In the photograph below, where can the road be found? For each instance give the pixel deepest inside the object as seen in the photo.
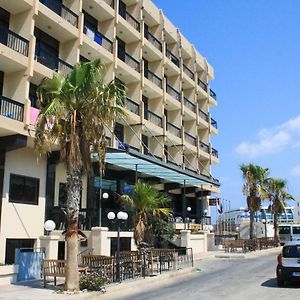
(232, 279)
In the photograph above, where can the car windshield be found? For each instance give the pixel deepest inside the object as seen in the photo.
(291, 251)
(296, 229)
(284, 229)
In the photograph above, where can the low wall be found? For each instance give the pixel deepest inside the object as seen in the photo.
(8, 274)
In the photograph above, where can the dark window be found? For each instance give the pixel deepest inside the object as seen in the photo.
(125, 245)
(12, 245)
(296, 229)
(23, 189)
(145, 144)
(145, 101)
(291, 251)
(83, 59)
(61, 250)
(121, 49)
(62, 194)
(122, 9)
(33, 95)
(119, 132)
(54, 5)
(90, 22)
(4, 18)
(146, 30)
(284, 229)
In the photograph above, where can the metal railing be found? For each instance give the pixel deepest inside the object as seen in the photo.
(174, 129)
(189, 104)
(202, 84)
(99, 38)
(52, 62)
(13, 41)
(128, 59)
(190, 139)
(213, 123)
(153, 40)
(214, 152)
(171, 91)
(132, 21)
(153, 78)
(188, 71)
(11, 109)
(204, 147)
(213, 94)
(63, 11)
(132, 106)
(203, 115)
(154, 118)
(172, 57)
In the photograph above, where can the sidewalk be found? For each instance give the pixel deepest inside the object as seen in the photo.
(34, 290)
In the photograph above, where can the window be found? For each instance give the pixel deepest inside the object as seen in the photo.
(33, 95)
(23, 189)
(13, 244)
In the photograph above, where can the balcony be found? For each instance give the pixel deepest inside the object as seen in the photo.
(189, 104)
(14, 41)
(190, 139)
(203, 115)
(11, 109)
(153, 78)
(188, 72)
(52, 62)
(153, 40)
(110, 3)
(214, 153)
(172, 57)
(213, 94)
(202, 84)
(172, 92)
(99, 38)
(131, 20)
(204, 147)
(213, 123)
(174, 129)
(62, 11)
(132, 106)
(128, 59)
(154, 118)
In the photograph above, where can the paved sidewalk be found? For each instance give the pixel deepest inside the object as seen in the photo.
(34, 290)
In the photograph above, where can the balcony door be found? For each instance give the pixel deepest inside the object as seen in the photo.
(145, 101)
(4, 25)
(122, 9)
(121, 49)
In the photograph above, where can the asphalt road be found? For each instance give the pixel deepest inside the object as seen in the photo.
(242, 279)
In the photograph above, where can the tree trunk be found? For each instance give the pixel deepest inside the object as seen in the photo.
(72, 211)
(252, 213)
(276, 226)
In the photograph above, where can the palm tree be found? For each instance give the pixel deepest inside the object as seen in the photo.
(74, 111)
(277, 194)
(254, 177)
(146, 202)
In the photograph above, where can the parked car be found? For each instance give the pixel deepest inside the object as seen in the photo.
(288, 263)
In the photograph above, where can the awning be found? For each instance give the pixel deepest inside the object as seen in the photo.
(135, 161)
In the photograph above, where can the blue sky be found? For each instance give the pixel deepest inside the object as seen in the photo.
(254, 47)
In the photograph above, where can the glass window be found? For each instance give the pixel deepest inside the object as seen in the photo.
(296, 229)
(291, 251)
(23, 189)
(284, 230)
(12, 244)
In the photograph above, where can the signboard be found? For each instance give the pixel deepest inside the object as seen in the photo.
(213, 201)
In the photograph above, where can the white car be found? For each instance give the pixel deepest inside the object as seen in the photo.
(288, 267)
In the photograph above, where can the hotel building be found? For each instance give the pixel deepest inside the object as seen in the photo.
(164, 139)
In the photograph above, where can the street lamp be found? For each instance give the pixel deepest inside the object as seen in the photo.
(188, 209)
(186, 218)
(264, 221)
(121, 216)
(205, 211)
(102, 196)
(49, 226)
(237, 229)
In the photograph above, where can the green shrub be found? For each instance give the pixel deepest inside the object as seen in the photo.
(91, 282)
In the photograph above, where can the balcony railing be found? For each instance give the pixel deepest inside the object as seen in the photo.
(174, 129)
(153, 40)
(132, 21)
(153, 78)
(11, 109)
(214, 152)
(189, 104)
(203, 115)
(171, 91)
(13, 41)
(213, 123)
(213, 94)
(62, 11)
(202, 84)
(204, 147)
(188, 71)
(190, 139)
(132, 106)
(154, 118)
(128, 59)
(52, 62)
(172, 57)
(99, 38)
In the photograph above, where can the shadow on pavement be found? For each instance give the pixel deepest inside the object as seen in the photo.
(39, 284)
(272, 283)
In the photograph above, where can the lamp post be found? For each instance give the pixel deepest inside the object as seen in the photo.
(264, 221)
(237, 229)
(101, 196)
(121, 216)
(49, 226)
(205, 211)
(188, 209)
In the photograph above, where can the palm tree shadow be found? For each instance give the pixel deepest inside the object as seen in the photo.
(272, 283)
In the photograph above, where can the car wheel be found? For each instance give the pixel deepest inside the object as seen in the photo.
(280, 282)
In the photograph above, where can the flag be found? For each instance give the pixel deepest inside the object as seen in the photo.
(220, 208)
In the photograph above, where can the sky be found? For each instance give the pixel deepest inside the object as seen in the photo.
(254, 48)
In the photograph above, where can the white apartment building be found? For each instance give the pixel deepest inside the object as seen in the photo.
(166, 138)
